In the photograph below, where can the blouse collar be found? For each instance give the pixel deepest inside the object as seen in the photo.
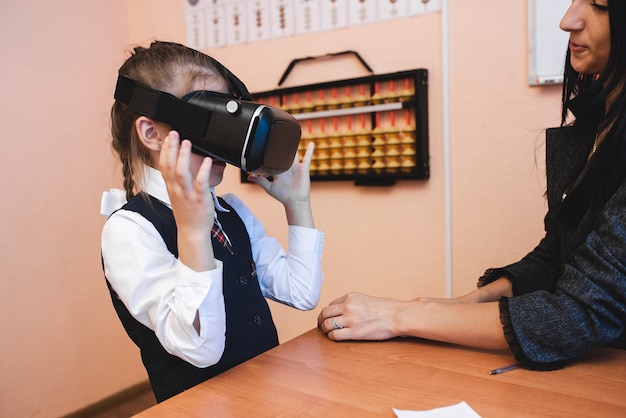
(153, 184)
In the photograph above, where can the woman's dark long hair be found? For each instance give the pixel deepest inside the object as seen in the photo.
(607, 168)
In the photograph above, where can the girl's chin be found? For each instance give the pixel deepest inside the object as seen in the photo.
(217, 172)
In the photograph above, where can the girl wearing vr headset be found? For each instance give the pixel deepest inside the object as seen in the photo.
(568, 295)
(188, 271)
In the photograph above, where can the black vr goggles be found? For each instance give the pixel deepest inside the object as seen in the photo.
(254, 137)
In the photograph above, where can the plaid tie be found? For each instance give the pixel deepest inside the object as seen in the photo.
(220, 236)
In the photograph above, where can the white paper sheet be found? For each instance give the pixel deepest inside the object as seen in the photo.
(459, 410)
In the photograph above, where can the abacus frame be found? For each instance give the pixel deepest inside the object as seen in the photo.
(372, 165)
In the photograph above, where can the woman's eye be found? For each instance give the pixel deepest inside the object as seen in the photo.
(600, 7)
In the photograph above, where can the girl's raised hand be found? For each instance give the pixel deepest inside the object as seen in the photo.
(292, 185)
(292, 188)
(191, 200)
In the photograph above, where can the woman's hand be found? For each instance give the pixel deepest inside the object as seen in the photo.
(293, 189)
(191, 201)
(356, 316)
(360, 317)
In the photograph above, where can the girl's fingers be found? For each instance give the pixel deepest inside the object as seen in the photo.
(174, 161)
(182, 164)
(308, 153)
(204, 175)
(169, 152)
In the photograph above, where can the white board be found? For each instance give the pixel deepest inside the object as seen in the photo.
(547, 43)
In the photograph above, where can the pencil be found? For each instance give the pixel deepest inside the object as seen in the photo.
(504, 369)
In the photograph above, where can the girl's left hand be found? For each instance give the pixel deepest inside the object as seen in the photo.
(292, 186)
(293, 189)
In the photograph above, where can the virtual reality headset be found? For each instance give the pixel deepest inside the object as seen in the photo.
(254, 137)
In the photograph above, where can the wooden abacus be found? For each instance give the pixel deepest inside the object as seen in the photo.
(372, 130)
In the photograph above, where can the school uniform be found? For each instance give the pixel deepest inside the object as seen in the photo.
(157, 297)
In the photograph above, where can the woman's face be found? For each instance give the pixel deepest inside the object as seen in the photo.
(587, 22)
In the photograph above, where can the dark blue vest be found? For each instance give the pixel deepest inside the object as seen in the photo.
(250, 329)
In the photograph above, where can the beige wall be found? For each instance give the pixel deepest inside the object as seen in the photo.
(62, 346)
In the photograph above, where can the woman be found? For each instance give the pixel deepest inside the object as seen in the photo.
(568, 295)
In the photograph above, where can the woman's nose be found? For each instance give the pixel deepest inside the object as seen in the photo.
(572, 19)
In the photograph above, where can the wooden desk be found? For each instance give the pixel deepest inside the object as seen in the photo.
(311, 376)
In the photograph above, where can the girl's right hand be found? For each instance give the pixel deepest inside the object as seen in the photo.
(191, 201)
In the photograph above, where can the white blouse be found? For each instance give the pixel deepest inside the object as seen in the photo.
(165, 295)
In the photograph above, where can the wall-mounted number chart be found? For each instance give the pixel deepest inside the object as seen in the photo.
(372, 130)
(218, 23)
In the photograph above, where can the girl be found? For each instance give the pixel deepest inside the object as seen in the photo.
(189, 272)
(568, 295)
